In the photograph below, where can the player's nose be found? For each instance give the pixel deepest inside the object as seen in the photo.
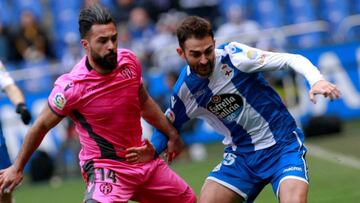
(203, 60)
(110, 45)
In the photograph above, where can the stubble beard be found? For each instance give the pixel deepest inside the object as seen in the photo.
(209, 65)
(107, 62)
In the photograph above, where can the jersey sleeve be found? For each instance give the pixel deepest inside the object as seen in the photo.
(5, 78)
(63, 97)
(249, 59)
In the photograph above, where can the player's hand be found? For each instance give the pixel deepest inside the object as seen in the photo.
(9, 179)
(175, 146)
(325, 88)
(24, 112)
(141, 154)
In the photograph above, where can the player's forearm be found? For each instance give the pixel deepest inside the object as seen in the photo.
(159, 141)
(32, 141)
(273, 61)
(303, 66)
(14, 94)
(152, 114)
(46, 120)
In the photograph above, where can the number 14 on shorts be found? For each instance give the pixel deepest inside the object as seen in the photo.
(105, 174)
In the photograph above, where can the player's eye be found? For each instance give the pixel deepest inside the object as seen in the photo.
(195, 54)
(102, 41)
(114, 38)
(209, 51)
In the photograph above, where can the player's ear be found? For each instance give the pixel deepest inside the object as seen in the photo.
(85, 44)
(181, 52)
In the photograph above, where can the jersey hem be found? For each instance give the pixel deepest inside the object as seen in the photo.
(231, 187)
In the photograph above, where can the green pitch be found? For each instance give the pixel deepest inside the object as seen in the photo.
(331, 181)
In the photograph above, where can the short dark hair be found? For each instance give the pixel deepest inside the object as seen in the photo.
(93, 15)
(193, 26)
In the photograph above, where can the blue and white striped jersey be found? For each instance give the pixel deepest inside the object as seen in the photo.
(235, 99)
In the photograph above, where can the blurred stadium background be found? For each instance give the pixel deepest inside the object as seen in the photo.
(39, 40)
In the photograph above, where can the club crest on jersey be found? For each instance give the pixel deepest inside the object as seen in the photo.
(226, 107)
(226, 71)
(59, 100)
(170, 115)
(106, 188)
(126, 72)
(234, 49)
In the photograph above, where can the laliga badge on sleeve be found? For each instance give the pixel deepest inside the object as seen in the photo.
(252, 54)
(59, 100)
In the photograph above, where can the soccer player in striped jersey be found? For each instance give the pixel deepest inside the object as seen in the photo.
(17, 98)
(105, 97)
(225, 87)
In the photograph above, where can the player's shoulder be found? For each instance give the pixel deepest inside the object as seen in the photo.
(68, 81)
(129, 59)
(237, 52)
(126, 56)
(233, 48)
(126, 53)
(65, 82)
(178, 88)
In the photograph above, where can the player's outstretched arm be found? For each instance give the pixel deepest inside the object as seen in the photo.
(324, 88)
(12, 176)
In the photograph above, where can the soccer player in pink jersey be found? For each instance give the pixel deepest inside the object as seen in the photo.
(105, 97)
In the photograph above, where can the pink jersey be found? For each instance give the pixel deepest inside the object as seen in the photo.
(105, 108)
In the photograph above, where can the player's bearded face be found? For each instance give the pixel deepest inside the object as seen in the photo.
(200, 55)
(102, 47)
(108, 61)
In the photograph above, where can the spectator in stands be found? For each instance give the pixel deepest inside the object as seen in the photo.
(204, 8)
(141, 29)
(4, 42)
(31, 40)
(121, 10)
(157, 7)
(237, 24)
(72, 53)
(140, 25)
(163, 54)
